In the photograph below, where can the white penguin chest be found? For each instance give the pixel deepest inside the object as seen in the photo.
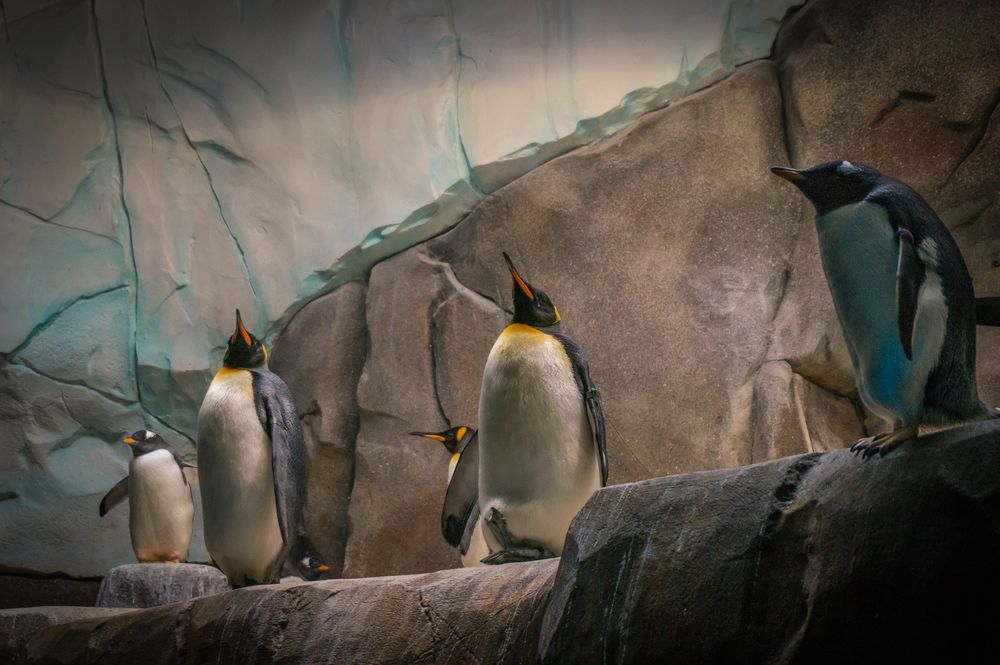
(538, 460)
(237, 480)
(160, 507)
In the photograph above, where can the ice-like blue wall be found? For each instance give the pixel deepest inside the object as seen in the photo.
(162, 163)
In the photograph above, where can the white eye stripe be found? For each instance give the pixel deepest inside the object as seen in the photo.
(149, 435)
(846, 168)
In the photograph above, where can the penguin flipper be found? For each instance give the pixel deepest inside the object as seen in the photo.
(591, 397)
(462, 496)
(115, 495)
(909, 278)
(279, 418)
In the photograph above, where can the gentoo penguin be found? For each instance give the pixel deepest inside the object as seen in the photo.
(460, 523)
(541, 432)
(903, 297)
(251, 458)
(159, 494)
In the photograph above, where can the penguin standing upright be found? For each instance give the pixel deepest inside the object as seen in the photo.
(541, 432)
(460, 523)
(251, 457)
(161, 511)
(903, 297)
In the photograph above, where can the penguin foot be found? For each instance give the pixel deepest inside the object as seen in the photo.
(882, 444)
(516, 555)
(512, 550)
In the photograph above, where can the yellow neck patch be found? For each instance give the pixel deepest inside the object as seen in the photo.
(516, 328)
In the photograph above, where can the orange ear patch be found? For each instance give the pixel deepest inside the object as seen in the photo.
(460, 434)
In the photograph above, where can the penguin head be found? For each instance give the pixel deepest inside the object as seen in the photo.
(531, 306)
(450, 438)
(831, 185)
(145, 441)
(310, 567)
(244, 349)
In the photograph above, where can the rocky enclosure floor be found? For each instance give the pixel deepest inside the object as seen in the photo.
(810, 559)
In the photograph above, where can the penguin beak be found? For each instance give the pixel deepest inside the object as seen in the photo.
(788, 173)
(323, 568)
(429, 435)
(241, 329)
(521, 284)
(129, 440)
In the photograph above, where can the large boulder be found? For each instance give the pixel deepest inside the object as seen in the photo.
(320, 356)
(154, 584)
(809, 559)
(455, 616)
(818, 558)
(18, 626)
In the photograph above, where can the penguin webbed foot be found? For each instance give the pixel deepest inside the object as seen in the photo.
(516, 555)
(882, 444)
(512, 551)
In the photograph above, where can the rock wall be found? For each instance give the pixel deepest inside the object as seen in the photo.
(689, 274)
(162, 162)
(820, 558)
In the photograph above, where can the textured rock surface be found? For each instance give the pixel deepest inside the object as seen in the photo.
(154, 584)
(820, 558)
(320, 356)
(162, 162)
(399, 481)
(911, 89)
(811, 559)
(22, 591)
(484, 615)
(17, 627)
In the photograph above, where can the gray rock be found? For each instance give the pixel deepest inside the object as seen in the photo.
(923, 113)
(19, 626)
(665, 249)
(415, 311)
(485, 615)
(320, 356)
(154, 584)
(819, 558)
(23, 591)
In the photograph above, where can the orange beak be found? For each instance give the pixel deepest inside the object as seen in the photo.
(129, 440)
(241, 329)
(323, 568)
(521, 284)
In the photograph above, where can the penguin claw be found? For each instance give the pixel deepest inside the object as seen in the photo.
(882, 444)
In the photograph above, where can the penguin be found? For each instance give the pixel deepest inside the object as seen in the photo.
(158, 489)
(460, 523)
(903, 296)
(303, 562)
(251, 456)
(541, 432)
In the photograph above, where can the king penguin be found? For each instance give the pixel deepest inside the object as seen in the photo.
(903, 296)
(460, 523)
(157, 487)
(541, 432)
(251, 457)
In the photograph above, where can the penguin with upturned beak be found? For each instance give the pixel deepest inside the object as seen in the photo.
(251, 457)
(542, 449)
(460, 523)
(903, 296)
(158, 490)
